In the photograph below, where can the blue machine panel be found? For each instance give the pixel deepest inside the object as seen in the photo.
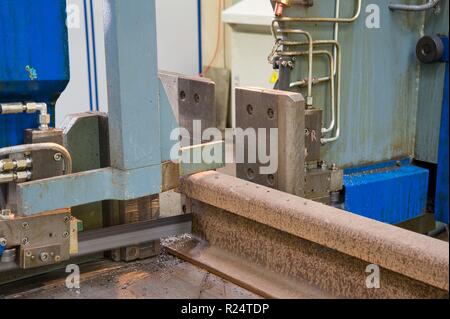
(387, 192)
(442, 204)
(34, 60)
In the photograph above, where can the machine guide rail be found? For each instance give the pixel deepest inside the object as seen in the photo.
(101, 240)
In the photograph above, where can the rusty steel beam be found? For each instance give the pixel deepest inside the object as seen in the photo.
(275, 264)
(418, 257)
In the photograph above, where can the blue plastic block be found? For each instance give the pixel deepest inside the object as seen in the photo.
(388, 194)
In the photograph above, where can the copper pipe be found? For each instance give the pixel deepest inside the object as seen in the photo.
(323, 20)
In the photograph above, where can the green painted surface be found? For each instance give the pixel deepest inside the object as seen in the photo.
(380, 83)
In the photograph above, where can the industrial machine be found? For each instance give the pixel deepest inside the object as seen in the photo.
(364, 112)
(60, 186)
(353, 120)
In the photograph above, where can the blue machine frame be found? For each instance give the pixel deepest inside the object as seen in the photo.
(441, 204)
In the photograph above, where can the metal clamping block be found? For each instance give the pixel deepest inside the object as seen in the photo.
(40, 240)
(192, 99)
(271, 109)
(313, 134)
(46, 164)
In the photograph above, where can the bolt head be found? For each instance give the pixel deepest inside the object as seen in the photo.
(57, 157)
(44, 257)
(3, 242)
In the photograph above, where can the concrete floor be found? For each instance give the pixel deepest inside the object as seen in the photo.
(164, 277)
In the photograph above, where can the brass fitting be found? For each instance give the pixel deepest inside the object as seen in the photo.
(9, 165)
(17, 177)
(280, 5)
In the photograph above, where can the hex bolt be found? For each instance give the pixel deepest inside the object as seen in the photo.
(3, 242)
(66, 234)
(66, 219)
(44, 256)
(25, 225)
(25, 241)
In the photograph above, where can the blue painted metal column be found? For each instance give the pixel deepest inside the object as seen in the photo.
(136, 112)
(442, 205)
(133, 84)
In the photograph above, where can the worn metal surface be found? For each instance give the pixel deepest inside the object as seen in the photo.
(84, 137)
(44, 163)
(320, 182)
(380, 93)
(41, 240)
(244, 272)
(313, 267)
(78, 189)
(189, 99)
(313, 134)
(123, 235)
(131, 234)
(415, 256)
(135, 211)
(392, 194)
(133, 85)
(271, 109)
